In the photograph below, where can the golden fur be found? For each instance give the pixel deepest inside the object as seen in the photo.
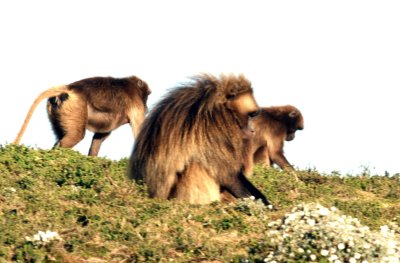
(100, 104)
(190, 146)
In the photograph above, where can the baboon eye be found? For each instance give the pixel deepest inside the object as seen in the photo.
(254, 114)
(230, 96)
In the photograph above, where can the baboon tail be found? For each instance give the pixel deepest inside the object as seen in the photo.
(54, 91)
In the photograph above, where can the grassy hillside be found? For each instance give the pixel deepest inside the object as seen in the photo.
(93, 213)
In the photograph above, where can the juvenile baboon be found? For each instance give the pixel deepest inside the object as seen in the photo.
(272, 127)
(190, 145)
(99, 104)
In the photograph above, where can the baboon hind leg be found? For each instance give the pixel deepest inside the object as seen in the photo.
(262, 156)
(70, 138)
(97, 140)
(196, 186)
(69, 120)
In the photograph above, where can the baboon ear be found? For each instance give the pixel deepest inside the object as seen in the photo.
(293, 114)
(140, 83)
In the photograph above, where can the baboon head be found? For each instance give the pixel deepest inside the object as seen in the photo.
(144, 89)
(240, 99)
(294, 123)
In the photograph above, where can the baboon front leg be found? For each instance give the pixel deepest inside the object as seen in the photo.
(97, 139)
(284, 164)
(241, 187)
(280, 159)
(70, 139)
(136, 117)
(161, 184)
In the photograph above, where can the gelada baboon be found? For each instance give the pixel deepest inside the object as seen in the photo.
(99, 104)
(190, 145)
(272, 127)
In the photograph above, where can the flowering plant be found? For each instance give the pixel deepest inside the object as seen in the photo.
(312, 232)
(43, 238)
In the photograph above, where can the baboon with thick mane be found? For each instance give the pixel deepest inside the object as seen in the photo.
(272, 127)
(190, 145)
(99, 104)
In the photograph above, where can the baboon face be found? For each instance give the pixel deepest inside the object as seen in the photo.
(245, 106)
(295, 123)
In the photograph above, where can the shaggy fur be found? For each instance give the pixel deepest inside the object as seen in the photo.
(190, 145)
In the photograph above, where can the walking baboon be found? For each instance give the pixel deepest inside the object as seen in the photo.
(272, 127)
(99, 104)
(190, 145)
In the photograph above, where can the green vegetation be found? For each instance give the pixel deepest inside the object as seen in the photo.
(101, 216)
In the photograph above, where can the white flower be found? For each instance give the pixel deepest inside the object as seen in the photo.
(311, 222)
(395, 259)
(43, 237)
(352, 260)
(290, 217)
(333, 258)
(357, 255)
(392, 244)
(384, 230)
(313, 257)
(324, 252)
(341, 246)
(323, 211)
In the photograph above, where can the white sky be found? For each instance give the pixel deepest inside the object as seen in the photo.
(337, 61)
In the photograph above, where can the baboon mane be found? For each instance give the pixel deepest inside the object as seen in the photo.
(188, 122)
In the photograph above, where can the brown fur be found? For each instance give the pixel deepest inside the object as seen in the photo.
(190, 145)
(272, 127)
(100, 104)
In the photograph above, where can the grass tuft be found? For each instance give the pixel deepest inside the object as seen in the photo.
(100, 215)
